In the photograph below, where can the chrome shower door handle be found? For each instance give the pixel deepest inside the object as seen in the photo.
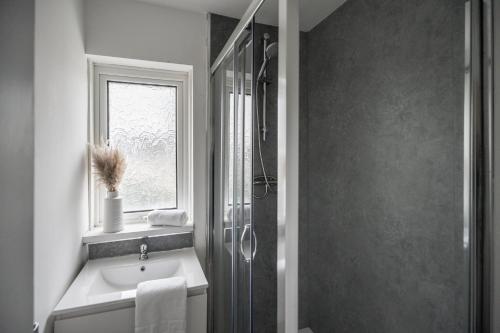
(255, 244)
(242, 250)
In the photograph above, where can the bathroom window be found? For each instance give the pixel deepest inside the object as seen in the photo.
(143, 112)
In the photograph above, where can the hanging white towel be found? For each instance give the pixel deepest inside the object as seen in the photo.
(174, 217)
(160, 306)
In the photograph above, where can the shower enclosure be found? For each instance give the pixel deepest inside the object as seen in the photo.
(386, 196)
(234, 242)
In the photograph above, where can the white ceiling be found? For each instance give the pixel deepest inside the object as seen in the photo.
(311, 11)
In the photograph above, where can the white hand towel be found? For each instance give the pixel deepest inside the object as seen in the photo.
(174, 217)
(160, 306)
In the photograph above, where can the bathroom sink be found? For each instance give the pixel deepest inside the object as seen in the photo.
(111, 282)
(126, 277)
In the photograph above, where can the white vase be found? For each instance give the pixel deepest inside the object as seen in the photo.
(113, 213)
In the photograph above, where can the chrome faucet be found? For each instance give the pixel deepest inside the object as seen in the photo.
(144, 251)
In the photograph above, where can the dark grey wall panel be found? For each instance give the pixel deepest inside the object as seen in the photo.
(16, 164)
(265, 210)
(385, 233)
(221, 28)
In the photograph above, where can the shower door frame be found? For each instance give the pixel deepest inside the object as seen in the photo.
(288, 167)
(479, 222)
(472, 169)
(489, 12)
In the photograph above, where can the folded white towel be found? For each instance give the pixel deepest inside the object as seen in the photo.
(174, 217)
(247, 213)
(160, 306)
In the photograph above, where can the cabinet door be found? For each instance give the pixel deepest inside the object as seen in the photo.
(123, 320)
(117, 321)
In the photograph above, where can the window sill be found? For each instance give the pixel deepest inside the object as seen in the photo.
(133, 230)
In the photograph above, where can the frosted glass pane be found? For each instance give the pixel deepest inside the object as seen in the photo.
(142, 123)
(247, 149)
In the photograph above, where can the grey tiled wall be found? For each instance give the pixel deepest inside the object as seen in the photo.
(130, 246)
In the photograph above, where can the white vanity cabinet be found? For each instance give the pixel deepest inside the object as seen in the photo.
(122, 320)
(102, 297)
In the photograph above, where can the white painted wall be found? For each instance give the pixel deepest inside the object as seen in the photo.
(135, 30)
(16, 165)
(60, 151)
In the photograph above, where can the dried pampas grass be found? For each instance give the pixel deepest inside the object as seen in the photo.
(109, 165)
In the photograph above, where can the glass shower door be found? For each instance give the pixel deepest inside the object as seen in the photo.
(243, 175)
(221, 269)
(233, 241)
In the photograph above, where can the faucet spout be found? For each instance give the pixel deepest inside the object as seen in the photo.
(144, 252)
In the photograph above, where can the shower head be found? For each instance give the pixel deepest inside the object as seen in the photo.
(271, 52)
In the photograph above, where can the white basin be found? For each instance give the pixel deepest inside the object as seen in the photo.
(126, 277)
(112, 282)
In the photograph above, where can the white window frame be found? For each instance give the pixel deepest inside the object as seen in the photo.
(101, 72)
